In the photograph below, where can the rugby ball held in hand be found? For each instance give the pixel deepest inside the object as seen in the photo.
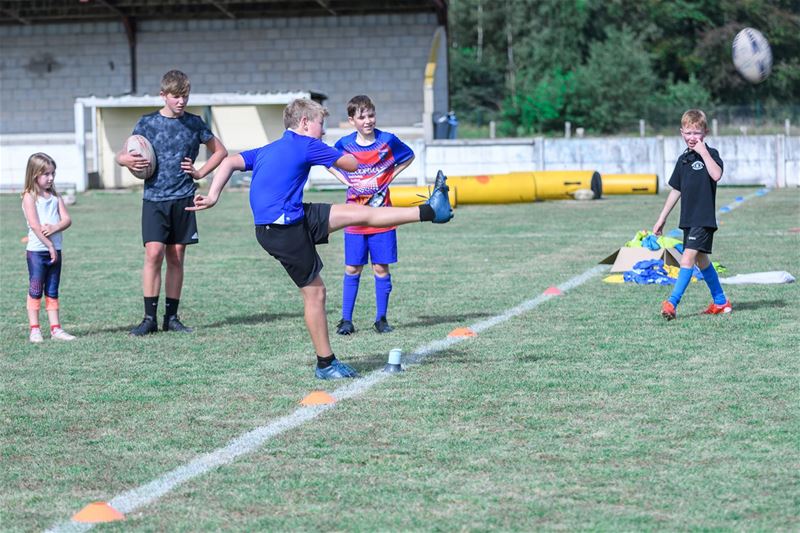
(752, 55)
(136, 144)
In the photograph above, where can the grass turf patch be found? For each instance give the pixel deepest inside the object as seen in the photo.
(588, 412)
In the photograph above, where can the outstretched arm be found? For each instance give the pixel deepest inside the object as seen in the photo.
(221, 177)
(672, 199)
(347, 162)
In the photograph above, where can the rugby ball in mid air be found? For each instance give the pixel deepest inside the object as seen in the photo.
(136, 144)
(752, 55)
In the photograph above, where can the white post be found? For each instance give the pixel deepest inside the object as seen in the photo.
(80, 144)
(539, 147)
(780, 161)
(95, 146)
(420, 158)
(660, 161)
(787, 126)
(641, 127)
(492, 129)
(714, 127)
(567, 129)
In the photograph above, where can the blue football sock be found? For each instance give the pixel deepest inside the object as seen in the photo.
(712, 280)
(349, 295)
(684, 278)
(383, 286)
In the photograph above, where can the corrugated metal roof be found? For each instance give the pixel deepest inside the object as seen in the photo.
(59, 11)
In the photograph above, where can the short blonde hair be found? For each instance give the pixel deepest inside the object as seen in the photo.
(38, 164)
(694, 117)
(175, 83)
(302, 107)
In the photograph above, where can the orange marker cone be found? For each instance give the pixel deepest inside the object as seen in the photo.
(462, 332)
(98, 512)
(24, 240)
(318, 397)
(555, 291)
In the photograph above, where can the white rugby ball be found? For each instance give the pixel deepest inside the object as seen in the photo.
(137, 144)
(583, 194)
(752, 55)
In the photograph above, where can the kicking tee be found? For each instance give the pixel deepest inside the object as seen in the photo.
(698, 190)
(280, 170)
(370, 181)
(172, 140)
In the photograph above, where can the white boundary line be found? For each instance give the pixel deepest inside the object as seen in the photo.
(143, 495)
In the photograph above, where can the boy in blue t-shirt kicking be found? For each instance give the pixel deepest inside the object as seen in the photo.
(381, 157)
(289, 229)
(694, 182)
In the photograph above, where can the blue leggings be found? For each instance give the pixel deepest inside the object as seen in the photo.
(43, 277)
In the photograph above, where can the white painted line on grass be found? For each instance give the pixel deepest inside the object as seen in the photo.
(141, 496)
(132, 500)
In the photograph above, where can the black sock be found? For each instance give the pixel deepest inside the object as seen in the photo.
(151, 306)
(425, 213)
(325, 362)
(172, 307)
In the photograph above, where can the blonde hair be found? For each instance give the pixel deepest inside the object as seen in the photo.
(694, 117)
(302, 107)
(176, 83)
(38, 164)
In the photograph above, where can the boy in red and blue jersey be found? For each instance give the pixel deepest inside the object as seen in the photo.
(381, 157)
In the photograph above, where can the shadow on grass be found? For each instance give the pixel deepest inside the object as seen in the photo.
(377, 361)
(433, 320)
(258, 318)
(758, 304)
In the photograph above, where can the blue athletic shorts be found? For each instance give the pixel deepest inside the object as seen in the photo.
(380, 248)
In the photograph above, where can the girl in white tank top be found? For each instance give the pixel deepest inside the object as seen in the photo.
(47, 218)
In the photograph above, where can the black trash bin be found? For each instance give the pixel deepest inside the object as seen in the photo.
(441, 126)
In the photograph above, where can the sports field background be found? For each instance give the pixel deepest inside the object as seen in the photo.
(588, 412)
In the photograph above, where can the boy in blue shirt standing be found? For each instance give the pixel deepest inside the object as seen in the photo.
(381, 157)
(694, 182)
(289, 229)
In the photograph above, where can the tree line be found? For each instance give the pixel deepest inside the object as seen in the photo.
(531, 65)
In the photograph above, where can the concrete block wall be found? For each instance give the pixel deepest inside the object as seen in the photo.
(43, 68)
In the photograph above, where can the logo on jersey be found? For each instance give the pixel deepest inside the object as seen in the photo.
(697, 165)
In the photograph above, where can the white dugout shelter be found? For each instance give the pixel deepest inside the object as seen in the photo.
(241, 121)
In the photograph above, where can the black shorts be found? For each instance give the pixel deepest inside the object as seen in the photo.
(699, 239)
(169, 222)
(295, 245)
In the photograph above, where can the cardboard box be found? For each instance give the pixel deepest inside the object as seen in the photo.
(623, 259)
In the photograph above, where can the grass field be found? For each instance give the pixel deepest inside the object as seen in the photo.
(586, 412)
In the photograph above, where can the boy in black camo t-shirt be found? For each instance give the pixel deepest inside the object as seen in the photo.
(167, 227)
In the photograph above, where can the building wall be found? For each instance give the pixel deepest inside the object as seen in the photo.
(43, 68)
